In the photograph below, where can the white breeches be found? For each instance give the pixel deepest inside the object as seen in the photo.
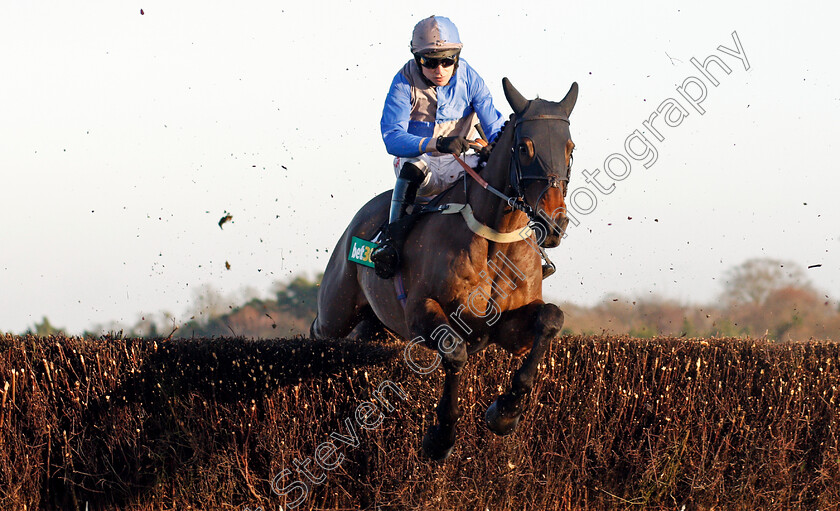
(441, 171)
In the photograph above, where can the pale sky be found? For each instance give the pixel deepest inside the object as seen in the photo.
(124, 138)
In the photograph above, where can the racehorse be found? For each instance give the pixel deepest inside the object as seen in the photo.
(486, 283)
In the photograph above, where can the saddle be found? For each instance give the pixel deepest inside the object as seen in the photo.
(434, 206)
(414, 213)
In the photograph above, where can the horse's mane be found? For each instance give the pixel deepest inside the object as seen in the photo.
(501, 134)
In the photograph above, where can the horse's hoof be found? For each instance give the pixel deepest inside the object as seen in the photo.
(548, 270)
(499, 423)
(435, 447)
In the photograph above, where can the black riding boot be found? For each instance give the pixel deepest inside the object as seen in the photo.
(386, 257)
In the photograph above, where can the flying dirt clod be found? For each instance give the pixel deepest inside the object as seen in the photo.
(227, 218)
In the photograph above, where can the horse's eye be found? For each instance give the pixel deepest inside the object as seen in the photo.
(526, 151)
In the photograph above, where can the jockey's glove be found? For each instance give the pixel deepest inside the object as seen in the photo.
(452, 145)
(483, 153)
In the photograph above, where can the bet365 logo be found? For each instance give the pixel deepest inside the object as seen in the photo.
(360, 251)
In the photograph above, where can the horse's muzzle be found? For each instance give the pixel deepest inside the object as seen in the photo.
(554, 231)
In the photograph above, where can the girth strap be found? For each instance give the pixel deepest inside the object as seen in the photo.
(484, 231)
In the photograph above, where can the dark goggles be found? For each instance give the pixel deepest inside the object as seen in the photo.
(432, 63)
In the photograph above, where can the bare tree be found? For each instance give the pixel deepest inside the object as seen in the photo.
(209, 303)
(754, 280)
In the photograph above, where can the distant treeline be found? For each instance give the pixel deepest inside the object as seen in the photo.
(763, 298)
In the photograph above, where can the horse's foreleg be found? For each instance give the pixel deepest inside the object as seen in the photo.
(429, 321)
(543, 322)
(439, 440)
(369, 327)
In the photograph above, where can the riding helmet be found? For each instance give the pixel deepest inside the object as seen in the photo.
(436, 37)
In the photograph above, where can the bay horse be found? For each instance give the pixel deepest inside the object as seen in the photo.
(491, 289)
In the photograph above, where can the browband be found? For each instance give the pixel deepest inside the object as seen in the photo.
(542, 117)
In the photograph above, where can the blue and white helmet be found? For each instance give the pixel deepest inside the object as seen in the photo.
(437, 37)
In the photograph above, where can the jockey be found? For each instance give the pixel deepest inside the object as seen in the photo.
(429, 114)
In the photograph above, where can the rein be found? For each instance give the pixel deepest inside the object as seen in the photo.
(518, 202)
(514, 202)
(487, 232)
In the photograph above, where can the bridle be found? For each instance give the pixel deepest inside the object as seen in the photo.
(517, 176)
(533, 172)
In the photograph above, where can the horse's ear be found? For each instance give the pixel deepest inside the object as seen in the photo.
(517, 101)
(568, 103)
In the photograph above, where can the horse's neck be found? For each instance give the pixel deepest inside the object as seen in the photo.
(487, 207)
